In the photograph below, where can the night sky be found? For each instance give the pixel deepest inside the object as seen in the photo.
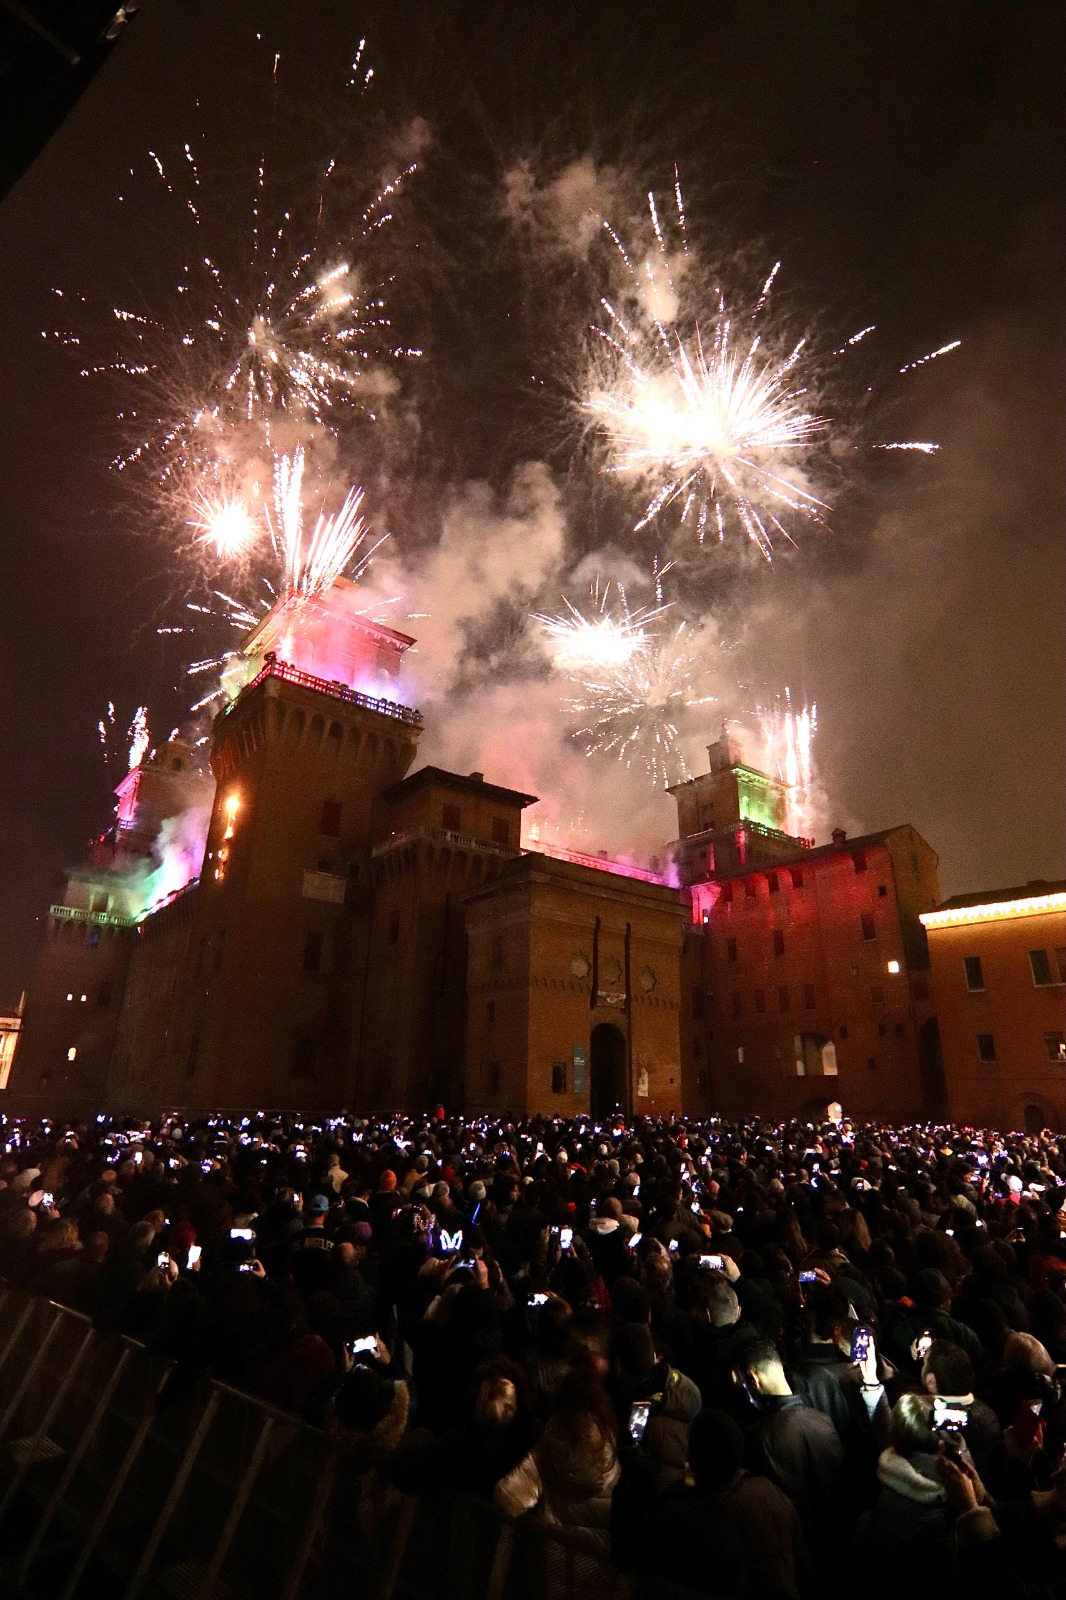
(904, 161)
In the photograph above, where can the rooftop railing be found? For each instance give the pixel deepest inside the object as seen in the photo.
(273, 668)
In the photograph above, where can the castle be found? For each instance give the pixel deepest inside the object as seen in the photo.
(359, 932)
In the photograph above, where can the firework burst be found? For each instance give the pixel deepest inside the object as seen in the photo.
(715, 413)
(633, 711)
(605, 635)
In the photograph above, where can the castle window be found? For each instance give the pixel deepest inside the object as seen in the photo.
(869, 931)
(750, 888)
(772, 880)
(797, 877)
(727, 894)
(452, 818)
(1055, 1046)
(760, 1001)
(871, 1063)
(859, 858)
(882, 891)
(784, 999)
(92, 937)
(779, 942)
(843, 1030)
(809, 999)
(737, 1003)
(558, 1077)
(330, 821)
(336, 731)
(731, 949)
(975, 978)
(314, 943)
(986, 1047)
(501, 830)
(1041, 968)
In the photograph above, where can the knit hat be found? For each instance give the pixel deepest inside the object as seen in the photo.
(387, 1181)
(477, 1190)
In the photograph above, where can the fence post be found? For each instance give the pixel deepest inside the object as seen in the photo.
(16, 1330)
(501, 1564)
(176, 1489)
(236, 1512)
(73, 1464)
(118, 1483)
(404, 1524)
(312, 1526)
(46, 1422)
(31, 1371)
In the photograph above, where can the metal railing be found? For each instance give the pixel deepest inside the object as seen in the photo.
(115, 1468)
(272, 668)
(460, 841)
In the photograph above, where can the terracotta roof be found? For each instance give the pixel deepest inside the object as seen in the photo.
(425, 777)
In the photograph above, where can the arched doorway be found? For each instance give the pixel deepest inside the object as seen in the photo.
(607, 1069)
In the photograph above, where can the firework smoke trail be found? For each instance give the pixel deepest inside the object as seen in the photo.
(633, 710)
(713, 412)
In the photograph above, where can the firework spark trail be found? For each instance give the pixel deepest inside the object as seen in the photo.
(712, 412)
(633, 710)
(139, 737)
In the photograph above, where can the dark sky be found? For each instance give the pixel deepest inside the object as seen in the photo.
(905, 160)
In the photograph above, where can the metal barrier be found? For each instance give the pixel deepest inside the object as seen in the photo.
(108, 1464)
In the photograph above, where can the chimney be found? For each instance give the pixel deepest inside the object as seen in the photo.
(839, 835)
(478, 777)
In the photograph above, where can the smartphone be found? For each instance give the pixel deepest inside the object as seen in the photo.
(808, 1276)
(242, 1233)
(195, 1252)
(566, 1238)
(923, 1344)
(637, 1237)
(639, 1413)
(246, 1266)
(47, 1199)
(539, 1299)
(205, 1166)
(945, 1415)
(712, 1263)
(163, 1258)
(470, 1262)
(358, 1346)
(673, 1247)
(861, 1341)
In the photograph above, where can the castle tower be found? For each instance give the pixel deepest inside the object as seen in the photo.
(271, 947)
(729, 817)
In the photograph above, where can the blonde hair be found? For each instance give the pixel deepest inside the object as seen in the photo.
(496, 1402)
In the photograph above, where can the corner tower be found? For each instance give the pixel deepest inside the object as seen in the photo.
(271, 956)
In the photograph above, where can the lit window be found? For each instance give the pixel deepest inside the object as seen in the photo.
(72, 1053)
(1056, 1048)
(975, 978)
(893, 967)
(84, 999)
(869, 931)
(70, 997)
(986, 1047)
(1041, 968)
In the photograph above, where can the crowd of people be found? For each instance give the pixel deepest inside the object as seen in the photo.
(763, 1361)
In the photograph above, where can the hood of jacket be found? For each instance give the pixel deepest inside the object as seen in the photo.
(912, 1478)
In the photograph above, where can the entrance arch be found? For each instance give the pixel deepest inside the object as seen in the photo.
(607, 1070)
